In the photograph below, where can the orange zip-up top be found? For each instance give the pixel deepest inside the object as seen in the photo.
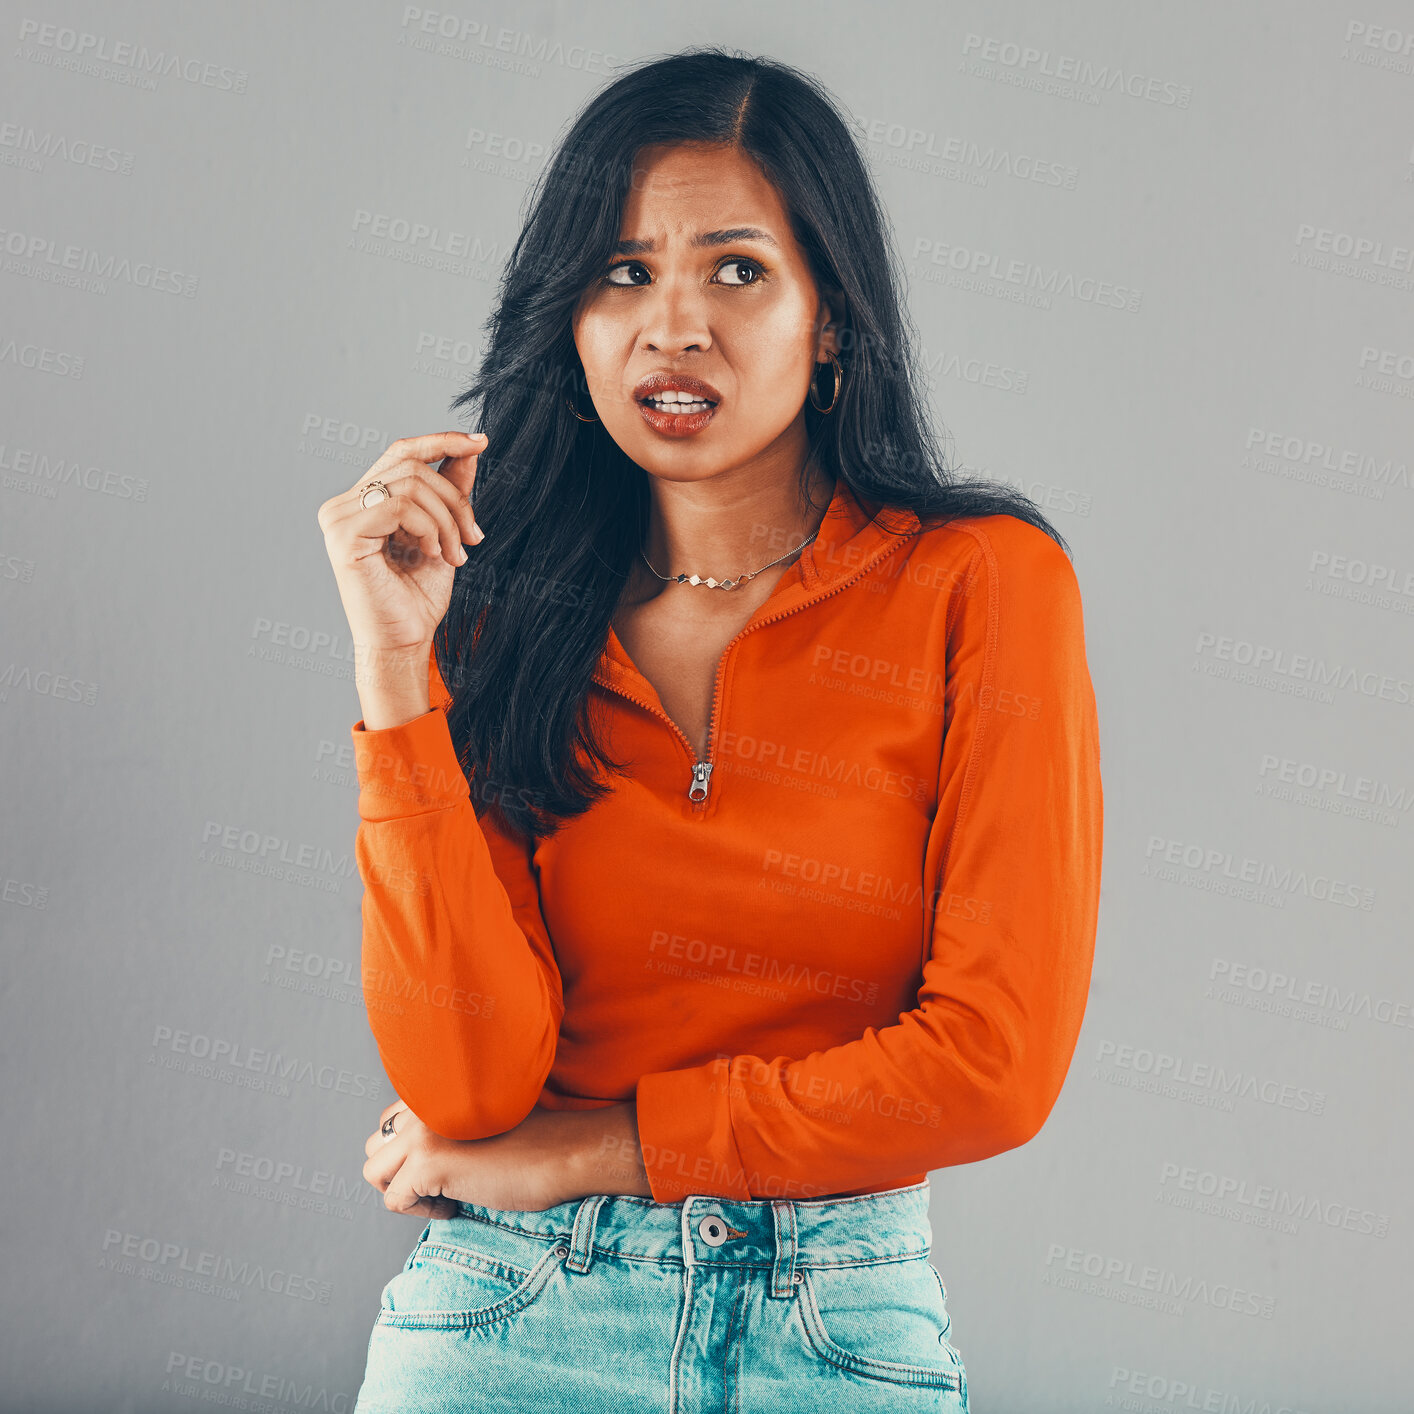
(852, 946)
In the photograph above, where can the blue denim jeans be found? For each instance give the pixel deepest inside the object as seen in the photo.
(614, 1304)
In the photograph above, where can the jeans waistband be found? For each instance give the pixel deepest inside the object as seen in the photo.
(703, 1231)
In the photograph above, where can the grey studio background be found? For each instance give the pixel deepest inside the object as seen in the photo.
(1160, 264)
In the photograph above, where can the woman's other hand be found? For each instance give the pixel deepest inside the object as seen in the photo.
(526, 1169)
(394, 559)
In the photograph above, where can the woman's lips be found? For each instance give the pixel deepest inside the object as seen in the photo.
(676, 424)
(666, 380)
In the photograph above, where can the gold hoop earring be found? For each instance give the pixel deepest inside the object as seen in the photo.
(839, 374)
(569, 400)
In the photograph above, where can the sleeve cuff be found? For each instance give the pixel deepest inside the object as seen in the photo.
(685, 1133)
(408, 769)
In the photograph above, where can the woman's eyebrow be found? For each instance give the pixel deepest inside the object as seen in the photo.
(702, 238)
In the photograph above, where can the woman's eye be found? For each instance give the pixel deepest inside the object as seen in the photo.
(623, 265)
(636, 272)
(749, 265)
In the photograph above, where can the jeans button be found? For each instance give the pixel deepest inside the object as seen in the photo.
(712, 1230)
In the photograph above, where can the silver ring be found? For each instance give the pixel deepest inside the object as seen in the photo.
(374, 486)
(387, 1126)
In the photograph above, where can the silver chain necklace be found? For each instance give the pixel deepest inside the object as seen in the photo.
(727, 583)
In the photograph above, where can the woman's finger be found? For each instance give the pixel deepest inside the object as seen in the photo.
(378, 1140)
(460, 474)
(403, 1195)
(430, 447)
(382, 1165)
(451, 481)
(445, 488)
(449, 486)
(414, 506)
(402, 1121)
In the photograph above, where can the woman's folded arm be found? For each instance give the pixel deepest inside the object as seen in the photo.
(460, 983)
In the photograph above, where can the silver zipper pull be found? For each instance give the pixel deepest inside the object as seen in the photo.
(701, 781)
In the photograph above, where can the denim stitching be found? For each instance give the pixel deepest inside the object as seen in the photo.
(476, 1261)
(953, 1352)
(728, 1382)
(678, 1342)
(871, 1261)
(889, 1371)
(515, 1301)
(859, 1197)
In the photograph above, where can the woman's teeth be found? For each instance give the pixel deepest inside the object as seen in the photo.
(677, 403)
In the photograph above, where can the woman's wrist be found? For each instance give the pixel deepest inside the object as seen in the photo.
(603, 1154)
(392, 685)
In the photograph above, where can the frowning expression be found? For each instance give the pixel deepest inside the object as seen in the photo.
(706, 305)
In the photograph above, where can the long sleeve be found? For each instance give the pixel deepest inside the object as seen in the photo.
(1013, 864)
(460, 982)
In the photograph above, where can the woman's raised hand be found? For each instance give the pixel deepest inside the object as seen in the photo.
(394, 560)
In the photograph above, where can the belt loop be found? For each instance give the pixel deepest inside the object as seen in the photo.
(689, 1252)
(582, 1238)
(783, 1268)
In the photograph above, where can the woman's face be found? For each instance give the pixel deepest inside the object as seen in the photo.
(706, 281)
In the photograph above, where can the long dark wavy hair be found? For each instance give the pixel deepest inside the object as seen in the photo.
(564, 509)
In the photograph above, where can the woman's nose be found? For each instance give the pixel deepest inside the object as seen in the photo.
(675, 318)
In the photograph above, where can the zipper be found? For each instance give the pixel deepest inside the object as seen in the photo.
(701, 778)
(700, 783)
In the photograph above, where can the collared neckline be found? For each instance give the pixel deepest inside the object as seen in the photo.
(848, 537)
(847, 541)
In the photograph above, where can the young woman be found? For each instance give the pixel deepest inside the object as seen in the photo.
(730, 812)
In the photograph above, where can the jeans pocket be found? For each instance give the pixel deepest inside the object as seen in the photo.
(883, 1320)
(945, 1319)
(456, 1286)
